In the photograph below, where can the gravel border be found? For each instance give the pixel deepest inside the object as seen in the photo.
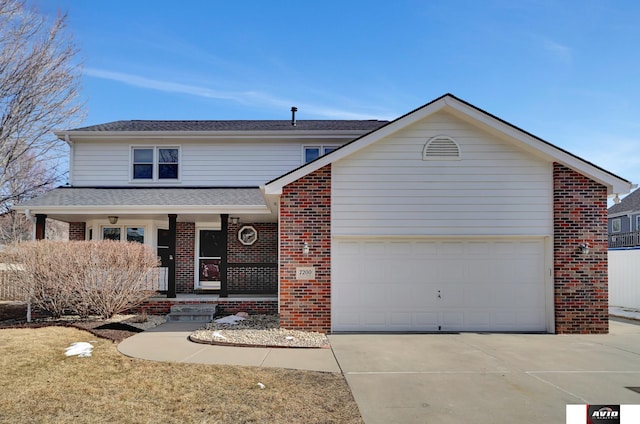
(258, 331)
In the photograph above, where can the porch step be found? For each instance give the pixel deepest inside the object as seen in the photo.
(192, 313)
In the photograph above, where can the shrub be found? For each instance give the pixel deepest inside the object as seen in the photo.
(86, 277)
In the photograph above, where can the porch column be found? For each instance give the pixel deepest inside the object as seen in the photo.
(41, 220)
(171, 277)
(223, 260)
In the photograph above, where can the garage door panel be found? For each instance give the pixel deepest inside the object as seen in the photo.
(404, 319)
(431, 285)
(453, 320)
(478, 296)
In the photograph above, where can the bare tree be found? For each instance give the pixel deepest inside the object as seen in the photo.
(39, 83)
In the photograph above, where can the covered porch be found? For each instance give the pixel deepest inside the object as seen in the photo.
(220, 242)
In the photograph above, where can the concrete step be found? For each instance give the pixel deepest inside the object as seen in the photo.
(192, 313)
(197, 308)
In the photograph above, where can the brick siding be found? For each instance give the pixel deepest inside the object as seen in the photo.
(185, 251)
(77, 231)
(579, 216)
(305, 215)
(225, 306)
(253, 279)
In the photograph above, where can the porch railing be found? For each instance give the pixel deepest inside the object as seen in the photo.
(252, 278)
(624, 239)
(242, 278)
(157, 279)
(9, 288)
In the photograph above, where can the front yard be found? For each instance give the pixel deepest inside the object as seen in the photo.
(40, 384)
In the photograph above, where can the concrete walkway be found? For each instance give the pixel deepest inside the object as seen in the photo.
(168, 342)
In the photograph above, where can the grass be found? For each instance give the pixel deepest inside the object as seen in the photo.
(38, 383)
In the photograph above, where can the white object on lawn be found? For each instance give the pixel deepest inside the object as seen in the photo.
(81, 349)
(262, 386)
(231, 319)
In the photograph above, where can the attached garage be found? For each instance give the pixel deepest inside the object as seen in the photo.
(449, 284)
(446, 219)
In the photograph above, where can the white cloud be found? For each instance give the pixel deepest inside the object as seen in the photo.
(559, 50)
(244, 97)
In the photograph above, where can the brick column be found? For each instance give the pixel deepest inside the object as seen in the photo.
(581, 284)
(305, 216)
(185, 245)
(77, 231)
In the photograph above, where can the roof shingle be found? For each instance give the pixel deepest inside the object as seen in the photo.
(241, 125)
(79, 197)
(630, 203)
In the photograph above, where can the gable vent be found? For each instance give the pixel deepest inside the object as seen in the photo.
(441, 147)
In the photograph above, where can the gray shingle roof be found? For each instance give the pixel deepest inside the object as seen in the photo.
(264, 125)
(629, 203)
(148, 197)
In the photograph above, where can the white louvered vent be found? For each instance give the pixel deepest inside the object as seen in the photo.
(441, 147)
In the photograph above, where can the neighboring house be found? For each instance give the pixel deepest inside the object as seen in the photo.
(624, 222)
(445, 219)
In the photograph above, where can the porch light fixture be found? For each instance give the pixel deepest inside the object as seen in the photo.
(616, 199)
(234, 220)
(583, 248)
(305, 248)
(112, 219)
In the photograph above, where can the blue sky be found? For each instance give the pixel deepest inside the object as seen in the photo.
(567, 71)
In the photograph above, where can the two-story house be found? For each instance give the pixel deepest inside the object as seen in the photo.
(445, 219)
(624, 222)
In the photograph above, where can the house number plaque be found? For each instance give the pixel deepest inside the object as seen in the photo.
(305, 273)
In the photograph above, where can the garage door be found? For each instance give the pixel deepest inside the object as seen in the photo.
(438, 285)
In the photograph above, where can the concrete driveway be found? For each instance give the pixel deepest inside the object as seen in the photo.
(488, 378)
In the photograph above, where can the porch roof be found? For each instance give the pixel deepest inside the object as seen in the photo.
(69, 201)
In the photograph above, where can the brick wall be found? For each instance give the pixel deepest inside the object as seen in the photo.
(225, 306)
(77, 231)
(253, 279)
(185, 245)
(580, 216)
(305, 215)
(265, 249)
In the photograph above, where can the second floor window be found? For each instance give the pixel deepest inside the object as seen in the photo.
(616, 225)
(314, 152)
(155, 163)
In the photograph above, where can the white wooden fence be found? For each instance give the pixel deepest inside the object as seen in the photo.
(9, 290)
(624, 278)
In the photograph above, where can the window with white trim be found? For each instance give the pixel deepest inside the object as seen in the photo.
(155, 163)
(638, 222)
(311, 153)
(616, 225)
(123, 232)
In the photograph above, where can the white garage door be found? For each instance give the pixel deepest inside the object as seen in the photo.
(438, 285)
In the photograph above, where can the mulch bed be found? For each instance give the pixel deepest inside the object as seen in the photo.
(13, 316)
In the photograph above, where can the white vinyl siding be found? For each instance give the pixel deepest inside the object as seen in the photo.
(202, 162)
(494, 189)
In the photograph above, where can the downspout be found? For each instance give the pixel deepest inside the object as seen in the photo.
(27, 213)
(67, 139)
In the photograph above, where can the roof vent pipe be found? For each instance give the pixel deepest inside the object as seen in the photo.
(293, 115)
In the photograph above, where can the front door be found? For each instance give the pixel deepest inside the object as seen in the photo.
(209, 256)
